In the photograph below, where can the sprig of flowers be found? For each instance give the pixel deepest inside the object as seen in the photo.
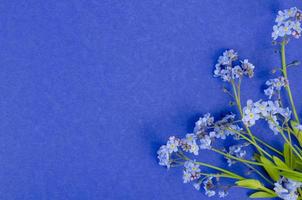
(278, 172)
(288, 24)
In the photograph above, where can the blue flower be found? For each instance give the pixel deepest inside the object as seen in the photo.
(237, 151)
(202, 124)
(222, 194)
(173, 144)
(164, 152)
(274, 86)
(248, 68)
(250, 114)
(267, 110)
(287, 189)
(205, 142)
(189, 144)
(209, 187)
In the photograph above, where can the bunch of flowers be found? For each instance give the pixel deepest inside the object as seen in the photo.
(273, 172)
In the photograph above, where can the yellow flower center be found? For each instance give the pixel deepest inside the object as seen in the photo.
(251, 115)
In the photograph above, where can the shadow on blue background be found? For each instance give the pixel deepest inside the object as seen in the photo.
(91, 89)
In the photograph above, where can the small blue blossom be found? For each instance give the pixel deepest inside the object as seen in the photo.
(287, 188)
(173, 144)
(228, 57)
(222, 194)
(262, 107)
(267, 110)
(209, 187)
(237, 72)
(248, 68)
(285, 113)
(165, 151)
(237, 151)
(189, 144)
(202, 124)
(205, 142)
(273, 124)
(212, 187)
(223, 126)
(274, 86)
(197, 185)
(164, 156)
(251, 115)
(234, 127)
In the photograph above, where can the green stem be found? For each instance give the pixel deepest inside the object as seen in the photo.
(231, 174)
(250, 141)
(238, 102)
(269, 146)
(235, 176)
(262, 142)
(284, 71)
(259, 173)
(217, 175)
(289, 142)
(237, 99)
(235, 158)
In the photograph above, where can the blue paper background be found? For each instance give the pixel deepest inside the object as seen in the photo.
(90, 89)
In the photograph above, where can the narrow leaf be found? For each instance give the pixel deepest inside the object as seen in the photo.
(287, 153)
(297, 132)
(279, 162)
(263, 195)
(270, 168)
(250, 183)
(294, 175)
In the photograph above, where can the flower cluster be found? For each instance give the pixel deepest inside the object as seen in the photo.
(189, 144)
(288, 23)
(237, 151)
(165, 151)
(274, 86)
(287, 189)
(206, 131)
(211, 131)
(211, 188)
(191, 171)
(267, 110)
(283, 167)
(225, 69)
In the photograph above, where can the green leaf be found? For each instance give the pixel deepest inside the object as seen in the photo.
(298, 165)
(280, 163)
(256, 157)
(287, 153)
(250, 183)
(263, 195)
(299, 149)
(270, 168)
(297, 132)
(225, 175)
(294, 175)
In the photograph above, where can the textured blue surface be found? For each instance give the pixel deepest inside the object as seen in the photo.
(90, 89)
